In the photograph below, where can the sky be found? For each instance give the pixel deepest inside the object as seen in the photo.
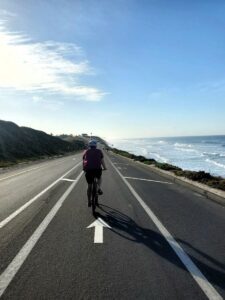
(117, 69)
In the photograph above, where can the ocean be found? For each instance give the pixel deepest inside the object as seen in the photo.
(205, 153)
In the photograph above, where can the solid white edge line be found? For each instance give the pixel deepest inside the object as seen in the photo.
(7, 276)
(195, 272)
(22, 172)
(143, 179)
(23, 207)
(32, 169)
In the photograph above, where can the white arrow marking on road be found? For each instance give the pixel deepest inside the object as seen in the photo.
(98, 224)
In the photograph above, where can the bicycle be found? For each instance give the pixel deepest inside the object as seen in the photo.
(94, 194)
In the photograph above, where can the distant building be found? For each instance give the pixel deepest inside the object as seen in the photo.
(84, 134)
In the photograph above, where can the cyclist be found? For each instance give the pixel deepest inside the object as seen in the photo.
(93, 161)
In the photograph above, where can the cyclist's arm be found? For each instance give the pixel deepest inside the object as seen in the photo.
(84, 160)
(103, 164)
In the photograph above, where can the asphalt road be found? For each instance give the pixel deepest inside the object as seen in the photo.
(164, 241)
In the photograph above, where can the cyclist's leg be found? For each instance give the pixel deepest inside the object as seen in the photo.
(99, 177)
(95, 192)
(89, 194)
(88, 176)
(99, 182)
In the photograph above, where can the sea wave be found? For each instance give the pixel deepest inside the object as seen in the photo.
(211, 154)
(214, 154)
(144, 151)
(188, 150)
(215, 163)
(182, 145)
(161, 142)
(159, 157)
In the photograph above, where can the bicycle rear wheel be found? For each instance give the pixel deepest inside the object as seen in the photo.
(94, 195)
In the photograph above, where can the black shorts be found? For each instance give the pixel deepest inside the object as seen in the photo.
(90, 174)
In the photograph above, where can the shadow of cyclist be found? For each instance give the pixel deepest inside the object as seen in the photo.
(127, 228)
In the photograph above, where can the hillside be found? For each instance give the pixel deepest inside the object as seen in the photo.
(74, 140)
(100, 140)
(19, 143)
(82, 139)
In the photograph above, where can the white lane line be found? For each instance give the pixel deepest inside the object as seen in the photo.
(19, 210)
(7, 276)
(25, 171)
(195, 272)
(67, 179)
(32, 169)
(116, 163)
(143, 179)
(198, 195)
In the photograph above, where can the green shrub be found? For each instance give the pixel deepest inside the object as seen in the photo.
(217, 184)
(6, 164)
(139, 158)
(149, 162)
(198, 176)
(167, 167)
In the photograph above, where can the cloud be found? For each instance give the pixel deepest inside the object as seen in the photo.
(7, 13)
(47, 104)
(49, 66)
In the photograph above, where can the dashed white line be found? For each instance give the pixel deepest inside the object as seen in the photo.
(198, 195)
(67, 179)
(143, 179)
(7, 276)
(19, 210)
(195, 272)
